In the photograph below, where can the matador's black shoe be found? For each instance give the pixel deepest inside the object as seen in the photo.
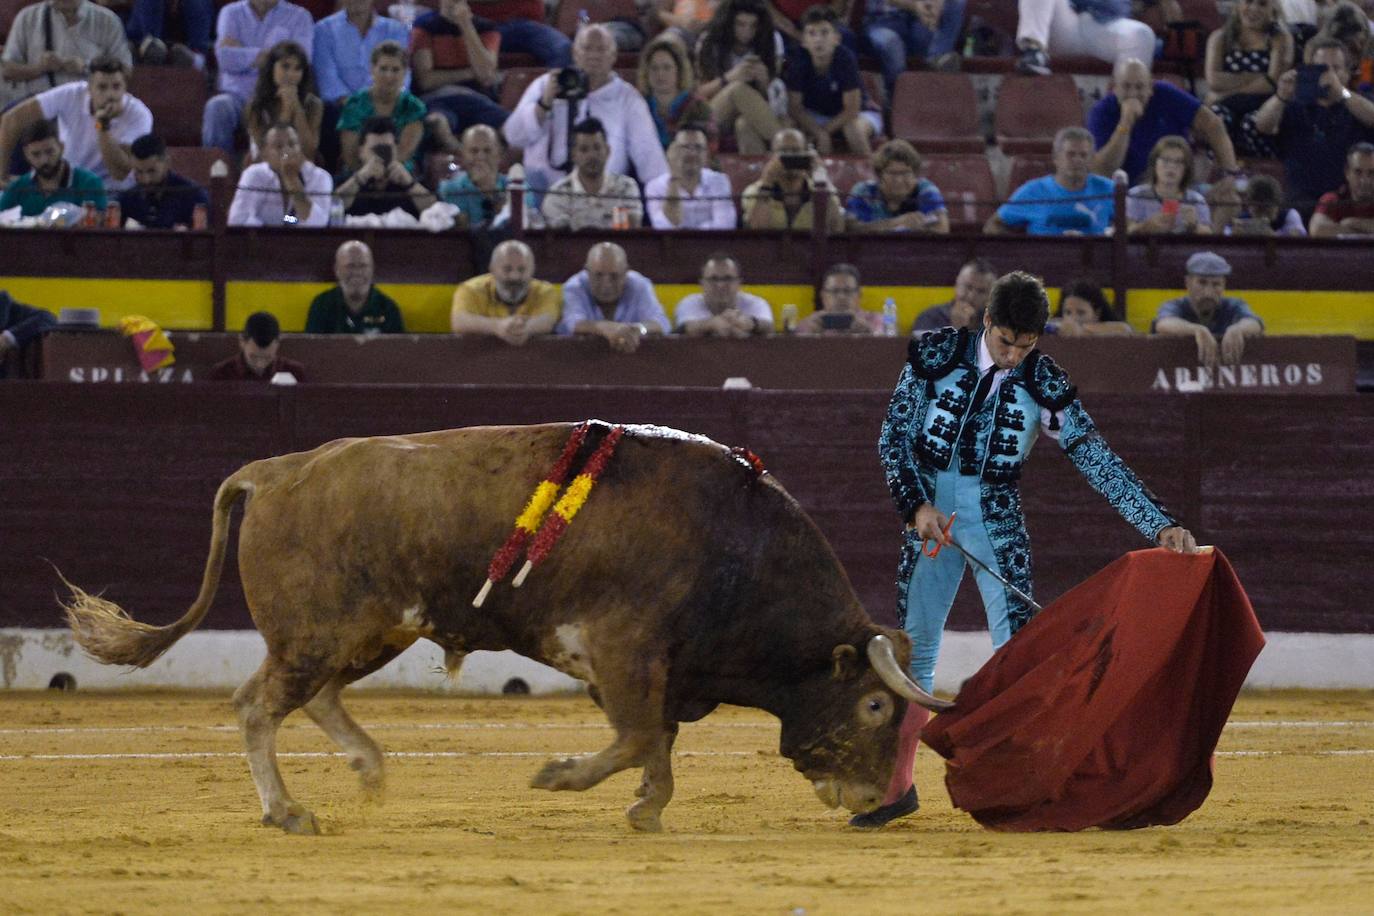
(878, 817)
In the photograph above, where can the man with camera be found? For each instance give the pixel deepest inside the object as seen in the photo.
(542, 122)
(782, 198)
(722, 309)
(382, 183)
(1314, 119)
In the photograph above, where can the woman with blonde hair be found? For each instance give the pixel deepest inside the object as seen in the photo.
(669, 86)
(1165, 202)
(1245, 58)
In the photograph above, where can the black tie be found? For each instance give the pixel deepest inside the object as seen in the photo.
(980, 394)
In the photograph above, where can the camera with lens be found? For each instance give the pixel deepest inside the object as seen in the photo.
(572, 84)
(384, 152)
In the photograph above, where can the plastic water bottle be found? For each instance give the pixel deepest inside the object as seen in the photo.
(584, 19)
(336, 211)
(889, 317)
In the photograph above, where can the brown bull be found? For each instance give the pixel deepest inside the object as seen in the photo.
(686, 581)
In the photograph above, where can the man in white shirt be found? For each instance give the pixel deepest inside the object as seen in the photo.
(52, 43)
(97, 121)
(689, 195)
(542, 122)
(723, 309)
(283, 189)
(590, 197)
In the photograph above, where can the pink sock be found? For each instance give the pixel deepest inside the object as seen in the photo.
(908, 737)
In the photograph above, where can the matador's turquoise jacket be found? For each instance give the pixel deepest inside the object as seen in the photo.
(928, 429)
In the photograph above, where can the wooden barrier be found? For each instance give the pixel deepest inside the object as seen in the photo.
(113, 483)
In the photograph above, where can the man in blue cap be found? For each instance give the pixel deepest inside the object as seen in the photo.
(1207, 314)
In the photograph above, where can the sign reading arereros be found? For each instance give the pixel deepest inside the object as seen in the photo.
(1116, 365)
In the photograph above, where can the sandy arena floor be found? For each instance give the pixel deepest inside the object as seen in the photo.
(141, 802)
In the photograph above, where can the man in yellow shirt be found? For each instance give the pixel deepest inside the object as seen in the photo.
(507, 303)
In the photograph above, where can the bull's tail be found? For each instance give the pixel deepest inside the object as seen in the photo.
(110, 635)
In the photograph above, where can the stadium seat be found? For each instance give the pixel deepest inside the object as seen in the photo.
(847, 171)
(965, 180)
(741, 169)
(937, 112)
(1030, 109)
(565, 19)
(194, 162)
(515, 81)
(1026, 168)
(176, 96)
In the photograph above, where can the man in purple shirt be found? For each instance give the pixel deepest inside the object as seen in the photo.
(247, 30)
(609, 300)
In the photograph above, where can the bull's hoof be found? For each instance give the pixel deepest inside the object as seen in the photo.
(879, 817)
(644, 819)
(298, 821)
(556, 775)
(372, 778)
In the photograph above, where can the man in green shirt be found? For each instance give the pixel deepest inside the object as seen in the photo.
(52, 178)
(354, 306)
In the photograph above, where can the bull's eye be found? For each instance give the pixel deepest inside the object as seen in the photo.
(874, 709)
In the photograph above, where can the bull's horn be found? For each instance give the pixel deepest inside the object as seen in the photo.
(885, 663)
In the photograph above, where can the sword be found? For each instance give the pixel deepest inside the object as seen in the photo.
(976, 562)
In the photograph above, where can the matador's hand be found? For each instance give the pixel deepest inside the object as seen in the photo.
(1177, 539)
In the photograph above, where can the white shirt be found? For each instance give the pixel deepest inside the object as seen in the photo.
(70, 104)
(718, 213)
(985, 362)
(96, 31)
(694, 308)
(258, 199)
(630, 131)
(568, 205)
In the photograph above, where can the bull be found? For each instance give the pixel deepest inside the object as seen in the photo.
(689, 579)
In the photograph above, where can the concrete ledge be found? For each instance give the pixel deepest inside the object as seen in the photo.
(225, 658)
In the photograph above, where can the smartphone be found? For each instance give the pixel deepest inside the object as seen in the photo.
(1309, 88)
(1169, 207)
(836, 321)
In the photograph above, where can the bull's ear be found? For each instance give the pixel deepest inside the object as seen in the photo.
(846, 662)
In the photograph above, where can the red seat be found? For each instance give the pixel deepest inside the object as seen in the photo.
(515, 81)
(1027, 168)
(965, 180)
(937, 112)
(565, 19)
(742, 170)
(847, 171)
(194, 162)
(1031, 109)
(8, 10)
(176, 96)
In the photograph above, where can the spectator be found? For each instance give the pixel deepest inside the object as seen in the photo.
(1207, 313)
(283, 189)
(738, 59)
(1096, 28)
(382, 183)
(1245, 58)
(607, 299)
(972, 286)
(258, 359)
(160, 198)
(899, 199)
(507, 303)
(722, 309)
(825, 93)
(669, 87)
(1260, 211)
(97, 121)
(689, 195)
(52, 178)
(455, 72)
(1347, 23)
(1349, 211)
(789, 18)
(782, 198)
(840, 312)
(246, 30)
(542, 122)
(19, 324)
(344, 42)
(900, 29)
(1072, 201)
(1085, 312)
(52, 42)
(355, 305)
(285, 94)
(388, 98)
(685, 20)
(1312, 134)
(1166, 201)
(523, 31)
(479, 192)
(590, 197)
(147, 31)
(1127, 123)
